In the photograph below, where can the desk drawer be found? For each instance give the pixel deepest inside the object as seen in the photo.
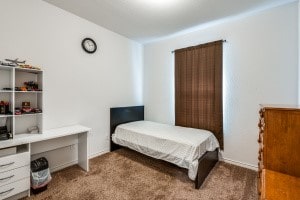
(14, 175)
(14, 161)
(14, 188)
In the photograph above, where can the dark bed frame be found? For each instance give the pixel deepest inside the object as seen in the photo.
(121, 115)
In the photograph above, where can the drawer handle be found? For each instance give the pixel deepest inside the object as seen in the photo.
(7, 191)
(2, 179)
(7, 164)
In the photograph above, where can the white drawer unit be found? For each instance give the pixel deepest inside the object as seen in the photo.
(14, 188)
(15, 172)
(14, 175)
(16, 155)
(14, 161)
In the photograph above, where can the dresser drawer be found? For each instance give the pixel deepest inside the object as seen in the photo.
(14, 188)
(14, 161)
(14, 175)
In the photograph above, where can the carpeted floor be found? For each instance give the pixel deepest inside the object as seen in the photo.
(128, 175)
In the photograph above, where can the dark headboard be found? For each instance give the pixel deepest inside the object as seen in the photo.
(121, 115)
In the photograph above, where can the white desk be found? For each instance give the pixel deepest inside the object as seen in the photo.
(26, 140)
(79, 130)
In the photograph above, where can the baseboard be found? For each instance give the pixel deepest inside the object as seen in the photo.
(62, 166)
(226, 160)
(241, 164)
(98, 154)
(233, 162)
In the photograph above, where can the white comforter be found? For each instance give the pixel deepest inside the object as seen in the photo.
(178, 145)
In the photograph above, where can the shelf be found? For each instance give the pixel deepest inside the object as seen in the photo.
(3, 67)
(39, 92)
(11, 91)
(6, 91)
(2, 116)
(34, 71)
(32, 114)
(21, 136)
(12, 77)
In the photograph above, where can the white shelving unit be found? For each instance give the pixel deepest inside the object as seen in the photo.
(11, 77)
(15, 174)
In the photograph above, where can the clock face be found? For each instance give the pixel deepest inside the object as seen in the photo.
(89, 45)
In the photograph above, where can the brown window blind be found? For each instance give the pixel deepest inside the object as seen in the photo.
(198, 88)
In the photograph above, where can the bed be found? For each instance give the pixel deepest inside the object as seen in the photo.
(193, 149)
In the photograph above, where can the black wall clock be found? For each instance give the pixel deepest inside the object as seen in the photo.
(89, 45)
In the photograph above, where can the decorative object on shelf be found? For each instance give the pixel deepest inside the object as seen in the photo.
(26, 109)
(31, 86)
(15, 62)
(7, 89)
(36, 110)
(89, 45)
(29, 67)
(4, 134)
(24, 89)
(12, 62)
(7, 64)
(4, 108)
(33, 130)
(6, 105)
(18, 111)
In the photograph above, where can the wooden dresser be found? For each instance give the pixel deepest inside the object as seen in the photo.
(279, 152)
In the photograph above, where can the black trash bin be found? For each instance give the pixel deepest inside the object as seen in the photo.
(40, 175)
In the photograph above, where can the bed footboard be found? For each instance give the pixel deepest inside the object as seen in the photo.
(206, 164)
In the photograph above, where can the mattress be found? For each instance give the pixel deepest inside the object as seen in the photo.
(178, 145)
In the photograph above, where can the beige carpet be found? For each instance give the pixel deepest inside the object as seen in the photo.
(127, 175)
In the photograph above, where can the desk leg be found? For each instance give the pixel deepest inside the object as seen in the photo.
(83, 159)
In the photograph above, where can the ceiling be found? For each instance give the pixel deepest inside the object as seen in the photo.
(147, 20)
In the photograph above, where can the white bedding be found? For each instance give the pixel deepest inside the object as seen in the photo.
(178, 145)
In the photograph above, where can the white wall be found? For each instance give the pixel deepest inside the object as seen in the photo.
(260, 66)
(79, 88)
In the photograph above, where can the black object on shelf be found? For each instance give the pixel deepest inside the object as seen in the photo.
(40, 175)
(4, 135)
(4, 108)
